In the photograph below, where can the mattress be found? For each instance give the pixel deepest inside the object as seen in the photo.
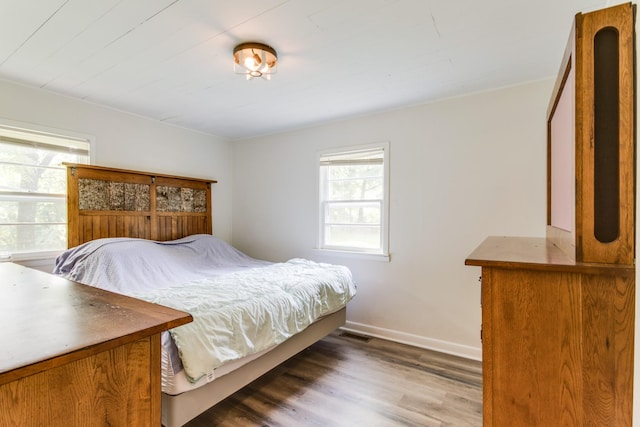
(175, 380)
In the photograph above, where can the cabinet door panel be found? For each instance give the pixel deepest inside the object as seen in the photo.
(535, 360)
(114, 387)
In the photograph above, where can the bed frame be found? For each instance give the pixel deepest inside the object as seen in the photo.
(106, 202)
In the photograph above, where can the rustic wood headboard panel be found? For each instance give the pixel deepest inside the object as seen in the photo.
(107, 202)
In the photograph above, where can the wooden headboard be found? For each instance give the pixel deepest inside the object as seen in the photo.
(107, 202)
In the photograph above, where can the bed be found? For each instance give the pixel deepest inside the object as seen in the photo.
(149, 236)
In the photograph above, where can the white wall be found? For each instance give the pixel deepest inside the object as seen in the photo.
(461, 169)
(131, 142)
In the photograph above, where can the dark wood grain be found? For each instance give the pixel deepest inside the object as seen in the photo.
(343, 381)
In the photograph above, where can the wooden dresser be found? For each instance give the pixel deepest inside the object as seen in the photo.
(73, 355)
(558, 311)
(557, 336)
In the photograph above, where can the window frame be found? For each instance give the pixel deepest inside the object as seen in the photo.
(44, 131)
(383, 252)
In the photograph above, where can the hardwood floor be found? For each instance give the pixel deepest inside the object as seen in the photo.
(346, 381)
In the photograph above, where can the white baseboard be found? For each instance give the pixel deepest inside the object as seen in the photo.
(468, 352)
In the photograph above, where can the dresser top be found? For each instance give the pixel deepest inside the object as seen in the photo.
(536, 253)
(48, 321)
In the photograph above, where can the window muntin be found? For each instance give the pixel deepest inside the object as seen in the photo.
(353, 199)
(33, 216)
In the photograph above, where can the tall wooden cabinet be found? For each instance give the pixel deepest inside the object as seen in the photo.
(558, 312)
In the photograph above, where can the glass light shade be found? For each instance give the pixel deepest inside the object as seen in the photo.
(255, 60)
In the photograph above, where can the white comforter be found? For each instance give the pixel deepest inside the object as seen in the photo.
(246, 312)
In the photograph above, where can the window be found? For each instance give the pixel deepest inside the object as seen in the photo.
(354, 199)
(33, 187)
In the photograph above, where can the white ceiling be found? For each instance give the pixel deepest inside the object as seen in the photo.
(171, 60)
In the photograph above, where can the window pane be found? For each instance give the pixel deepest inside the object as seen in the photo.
(32, 238)
(29, 225)
(356, 189)
(28, 210)
(33, 186)
(33, 179)
(367, 237)
(24, 168)
(353, 213)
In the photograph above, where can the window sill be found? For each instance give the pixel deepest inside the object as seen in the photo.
(30, 256)
(336, 254)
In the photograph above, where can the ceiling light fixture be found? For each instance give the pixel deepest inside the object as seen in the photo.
(255, 60)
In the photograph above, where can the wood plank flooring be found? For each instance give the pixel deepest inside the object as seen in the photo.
(346, 381)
